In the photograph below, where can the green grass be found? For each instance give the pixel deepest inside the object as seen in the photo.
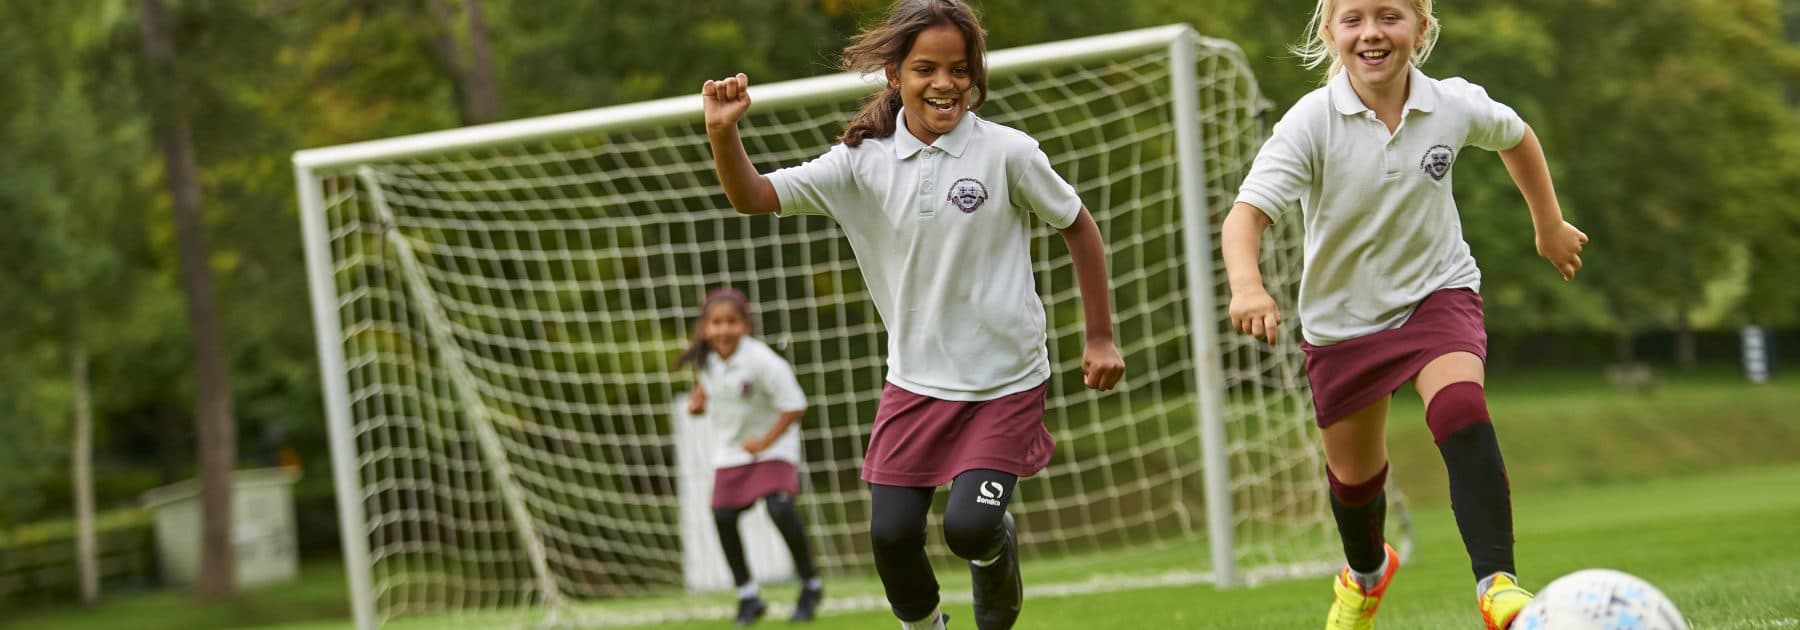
(1690, 486)
(318, 594)
(1720, 545)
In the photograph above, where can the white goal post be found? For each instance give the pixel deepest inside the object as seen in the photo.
(498, 308)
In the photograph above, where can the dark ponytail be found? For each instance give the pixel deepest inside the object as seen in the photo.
(876, 119)
(879, 48)
(698, 348)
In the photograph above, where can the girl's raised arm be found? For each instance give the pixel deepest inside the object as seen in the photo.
(725, 101)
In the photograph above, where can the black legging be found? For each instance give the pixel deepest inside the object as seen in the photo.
(787, 519)
(978, 501)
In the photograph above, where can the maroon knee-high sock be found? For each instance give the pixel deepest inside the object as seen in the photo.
(1480, 494)
(1361, 513)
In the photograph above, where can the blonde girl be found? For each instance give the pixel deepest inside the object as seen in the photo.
(1390, 292)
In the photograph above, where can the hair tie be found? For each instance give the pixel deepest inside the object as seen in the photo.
(728, 293)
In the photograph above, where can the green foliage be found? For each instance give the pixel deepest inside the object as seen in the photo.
(33, 443)
(1675, 164)
(66, 264)
(64, 529)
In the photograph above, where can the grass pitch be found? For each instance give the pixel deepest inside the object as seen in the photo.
(1721, 546)
(1692, 486)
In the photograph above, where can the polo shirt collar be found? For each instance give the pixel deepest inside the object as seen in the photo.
(736, 357)
(1421, 94)
(906, 144)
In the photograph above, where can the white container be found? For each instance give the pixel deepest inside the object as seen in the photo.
(262, 527)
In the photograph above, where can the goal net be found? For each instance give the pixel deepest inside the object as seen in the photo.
(499, 309)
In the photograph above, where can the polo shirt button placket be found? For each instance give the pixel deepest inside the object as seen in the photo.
(1391, 163)
(927, 172)
(925, 182)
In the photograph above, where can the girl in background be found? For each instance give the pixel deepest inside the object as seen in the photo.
(750, 395)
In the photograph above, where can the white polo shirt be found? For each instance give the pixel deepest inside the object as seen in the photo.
(1382, 230)
(942, 233)
(745, 395)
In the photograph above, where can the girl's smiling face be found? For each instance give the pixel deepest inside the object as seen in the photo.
(1375, 40)
(723, 325)
(935, 82)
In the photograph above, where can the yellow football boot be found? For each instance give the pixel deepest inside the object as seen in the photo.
(1502, 602)
(1354, 608)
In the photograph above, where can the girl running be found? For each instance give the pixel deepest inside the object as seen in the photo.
(755, 406)
(938, 205)
(1390, 292)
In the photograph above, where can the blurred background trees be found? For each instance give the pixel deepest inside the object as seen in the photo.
(1670, 125)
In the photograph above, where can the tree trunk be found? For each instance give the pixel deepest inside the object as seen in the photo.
(81, 461)
(471, 76)
(218, 448)
(1684, 341)
(1624, 347)
(483, 91)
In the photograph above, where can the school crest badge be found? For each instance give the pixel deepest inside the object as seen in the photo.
(968, 194)
(1436, 162)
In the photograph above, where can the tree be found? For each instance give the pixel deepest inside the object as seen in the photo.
(1663, 155)
(61, 274)
(81, 474)
(471, 72)
(218, 446)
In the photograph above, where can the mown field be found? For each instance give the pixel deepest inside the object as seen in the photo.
(1690, 485)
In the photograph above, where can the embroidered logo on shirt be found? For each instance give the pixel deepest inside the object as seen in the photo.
(748, 389)
(968, 194)
(1436, 162)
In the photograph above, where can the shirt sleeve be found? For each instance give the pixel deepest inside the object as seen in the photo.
(1282, 169)
(1492, 125)
(1036, 187)
(815, 186)
(784, 389)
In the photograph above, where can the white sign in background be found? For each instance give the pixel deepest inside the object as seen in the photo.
(1756, 354)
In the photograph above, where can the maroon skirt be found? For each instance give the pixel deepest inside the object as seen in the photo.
(739, 486)
(1349, 375)
(919, 441)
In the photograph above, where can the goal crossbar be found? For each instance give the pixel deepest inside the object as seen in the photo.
(325, 160)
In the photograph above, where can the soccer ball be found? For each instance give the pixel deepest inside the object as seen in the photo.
(1599, 599)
